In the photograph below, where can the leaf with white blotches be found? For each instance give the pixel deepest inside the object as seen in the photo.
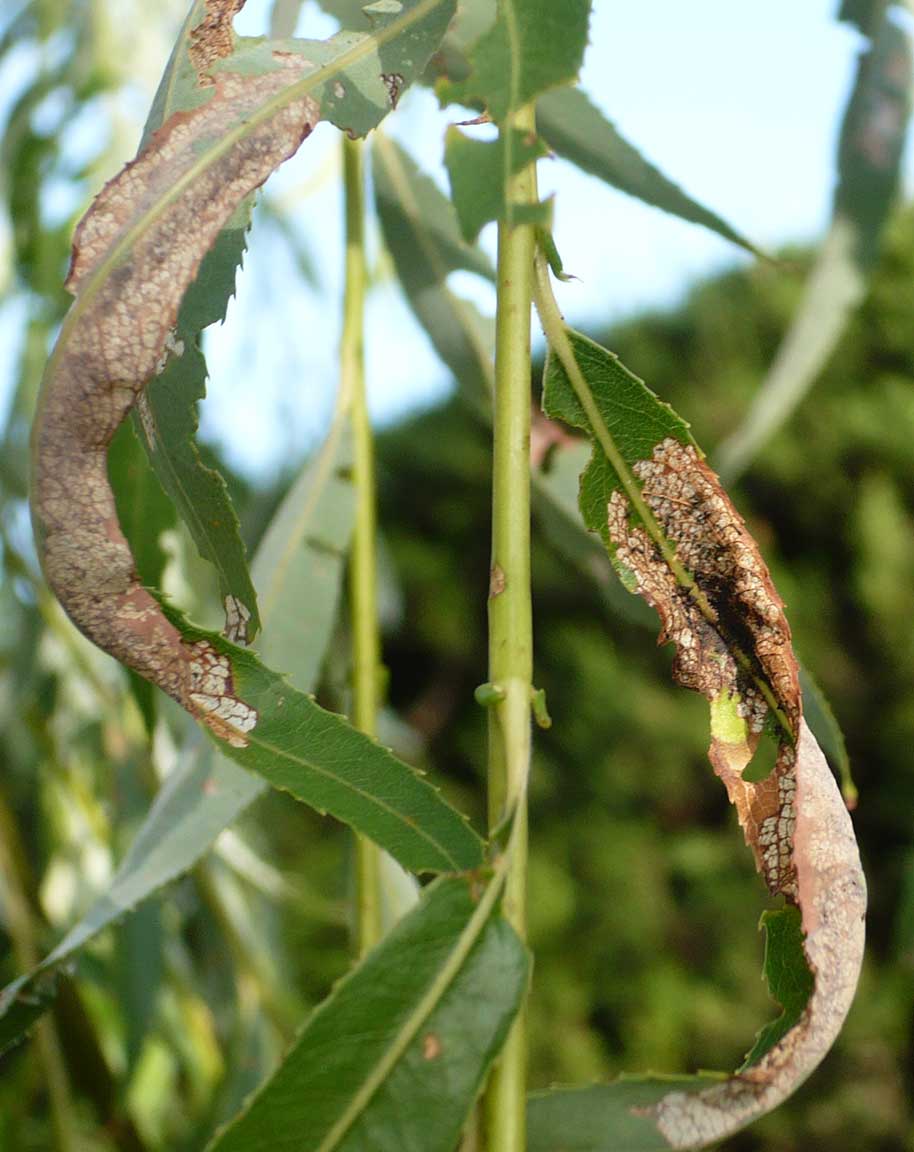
(298, 569)
(165, 418)
(136, 251)
(677, 541)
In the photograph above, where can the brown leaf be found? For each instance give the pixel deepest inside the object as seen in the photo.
(733, 645)
(135, 253)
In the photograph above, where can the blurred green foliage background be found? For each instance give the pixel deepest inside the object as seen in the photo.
(644, 902)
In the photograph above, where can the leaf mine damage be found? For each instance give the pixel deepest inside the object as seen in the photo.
(135, 253)
(735, 648)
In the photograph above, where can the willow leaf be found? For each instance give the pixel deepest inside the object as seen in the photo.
(870, 153)
(136, 251)
(423, 237)
(166, 419)
(575, 129)
(677, 541)
(624, 1113)
(533, 46)
(421, 232)
(393, 1060)
(297, 570)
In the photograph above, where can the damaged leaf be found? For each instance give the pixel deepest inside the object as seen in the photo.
(165, 418)
(676, 540)
(135, 253)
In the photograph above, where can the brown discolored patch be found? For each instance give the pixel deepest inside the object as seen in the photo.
(731, 642)
(733, 645)
(394, 84)
(431, 1046)
(135, 252)
(213, 39)
(497, 581)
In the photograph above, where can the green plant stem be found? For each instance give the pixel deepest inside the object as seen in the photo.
(510, 617)
(363, 568)
(556, 333)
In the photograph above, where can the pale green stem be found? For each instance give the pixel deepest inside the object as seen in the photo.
(363, 597)
(510, 617)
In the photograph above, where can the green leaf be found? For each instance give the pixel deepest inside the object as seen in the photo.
(393, 1060)
(677, 541)
(534, 45)
(869, 164)
(421, 232)
(578, 131)
(144, 512)
(633, 414)
(298, 570)
(319, 758)
(380, 64)
(824, 723)
(480, 171)
(604, 1117)
(789, 980)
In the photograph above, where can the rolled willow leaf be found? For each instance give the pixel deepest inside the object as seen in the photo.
(423, 237)
(677, 541)
(165, 417)
(136, 251)
(393, 1060)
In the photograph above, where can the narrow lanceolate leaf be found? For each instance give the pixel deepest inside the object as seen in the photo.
(136, 251)
(393, 1060)
(870, 155)
(534, 45)
(677, 541)
(165, 418)
(423, 237)
(297, 571)
(578, 131)
(267, 726)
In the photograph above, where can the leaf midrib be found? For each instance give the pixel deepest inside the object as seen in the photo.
(435, 993)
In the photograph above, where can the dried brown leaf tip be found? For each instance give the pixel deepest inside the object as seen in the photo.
(733, 645)
(135, 253)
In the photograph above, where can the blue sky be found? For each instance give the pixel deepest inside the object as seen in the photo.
(739, 103)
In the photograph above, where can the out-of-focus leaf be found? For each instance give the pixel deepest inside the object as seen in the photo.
(532, 47)
(480, 171)
(394, 1058)
(578, 131)
(422, 235)
(869, 168)
(139, 973)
